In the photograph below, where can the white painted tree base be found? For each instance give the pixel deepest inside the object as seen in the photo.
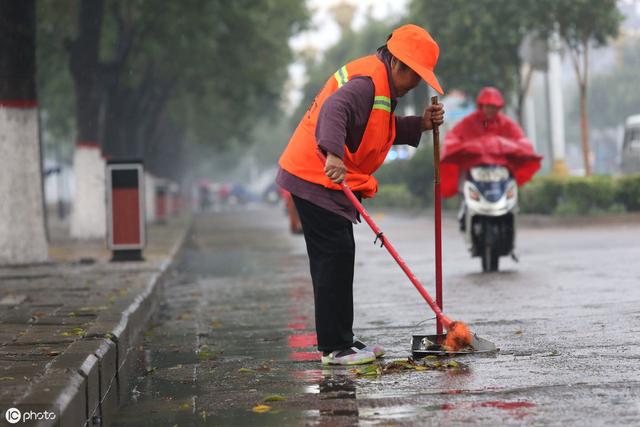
(89, 208)
(22, 231)
(149, 197)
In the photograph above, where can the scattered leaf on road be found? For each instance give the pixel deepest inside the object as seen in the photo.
(261, 408)
(79, 331)
(263, 368)
(206, 354)
(274, 398)
(368, 371)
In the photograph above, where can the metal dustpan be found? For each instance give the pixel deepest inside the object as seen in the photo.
(428, 345)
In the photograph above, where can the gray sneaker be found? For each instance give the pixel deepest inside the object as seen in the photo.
(375, 349)
(349, 356)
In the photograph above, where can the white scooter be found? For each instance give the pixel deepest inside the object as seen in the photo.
(487, 214)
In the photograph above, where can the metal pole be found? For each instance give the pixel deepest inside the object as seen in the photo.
(438, 218)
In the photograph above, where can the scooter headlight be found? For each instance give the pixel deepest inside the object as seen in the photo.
(511, 192)
(474, 195)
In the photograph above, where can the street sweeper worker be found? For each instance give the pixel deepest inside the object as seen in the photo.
(352, 121)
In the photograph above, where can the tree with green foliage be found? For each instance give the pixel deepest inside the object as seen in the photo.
(615, 88)
(479, 42)
(209, 68)
(149, 76)
(583, 24)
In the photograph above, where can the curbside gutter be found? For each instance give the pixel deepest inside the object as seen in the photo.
(85, 385)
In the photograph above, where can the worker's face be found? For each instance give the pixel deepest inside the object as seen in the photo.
(404, 78)
(489, 110)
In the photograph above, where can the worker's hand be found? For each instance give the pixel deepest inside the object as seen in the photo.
(334, 168)
(433, 115)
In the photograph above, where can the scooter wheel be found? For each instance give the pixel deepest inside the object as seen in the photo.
(490, 259)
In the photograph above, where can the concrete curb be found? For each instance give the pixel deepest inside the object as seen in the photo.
(86, 384)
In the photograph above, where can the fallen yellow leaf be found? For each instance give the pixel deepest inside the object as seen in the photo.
(261, 408)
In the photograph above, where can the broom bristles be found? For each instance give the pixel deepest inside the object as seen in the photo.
(458, 336)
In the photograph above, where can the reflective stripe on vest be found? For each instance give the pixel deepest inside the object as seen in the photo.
(382, 103)
(379, 102)
(341, 76)
(298, 157)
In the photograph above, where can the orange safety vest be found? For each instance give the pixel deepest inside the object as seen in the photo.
(299, 157)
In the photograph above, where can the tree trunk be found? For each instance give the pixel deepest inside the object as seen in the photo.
(84, 66)
(523, 89)
(584, 119)
(22, 229)
(88, 218)
(584, 128)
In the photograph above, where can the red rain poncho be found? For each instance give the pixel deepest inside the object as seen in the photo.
(479, 140)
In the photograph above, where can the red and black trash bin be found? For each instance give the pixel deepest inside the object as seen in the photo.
(125, 210)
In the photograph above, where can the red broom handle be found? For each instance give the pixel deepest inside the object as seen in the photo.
(441, 318)
(438, 216)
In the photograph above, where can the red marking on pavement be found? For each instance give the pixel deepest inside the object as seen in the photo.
(302, 340)
(300, 356)
(308, 374)
(490, 404)
(297, 326)
(18, 103)
(300, 318)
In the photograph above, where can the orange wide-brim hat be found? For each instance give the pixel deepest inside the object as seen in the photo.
(415, 47)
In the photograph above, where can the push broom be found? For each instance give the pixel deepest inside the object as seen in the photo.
(458, 335)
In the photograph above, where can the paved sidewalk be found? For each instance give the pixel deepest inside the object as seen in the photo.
(68, 328)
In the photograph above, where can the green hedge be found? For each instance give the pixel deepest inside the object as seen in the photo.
(416, 174)
(580, 195)
(543, 195)
(393, 196)
(628, 192)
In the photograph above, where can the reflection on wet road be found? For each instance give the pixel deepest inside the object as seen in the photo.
(233, 343)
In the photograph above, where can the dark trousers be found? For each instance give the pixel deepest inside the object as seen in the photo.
(331, 249)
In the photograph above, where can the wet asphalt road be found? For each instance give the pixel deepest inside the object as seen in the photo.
(236, 326)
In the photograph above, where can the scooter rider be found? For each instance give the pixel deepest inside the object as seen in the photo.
(486, 120)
